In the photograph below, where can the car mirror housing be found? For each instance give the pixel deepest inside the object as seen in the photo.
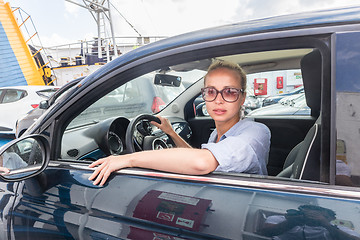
(167, 80)
(44, 104)
(23, 158)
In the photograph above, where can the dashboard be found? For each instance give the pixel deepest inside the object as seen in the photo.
(108, 137)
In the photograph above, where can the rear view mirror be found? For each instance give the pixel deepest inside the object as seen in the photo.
(167, 80)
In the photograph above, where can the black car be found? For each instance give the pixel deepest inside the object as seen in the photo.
(47, 194)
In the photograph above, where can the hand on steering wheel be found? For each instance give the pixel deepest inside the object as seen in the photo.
(149, 142)
(164, 125)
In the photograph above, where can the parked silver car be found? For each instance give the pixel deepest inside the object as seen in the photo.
(290, 105)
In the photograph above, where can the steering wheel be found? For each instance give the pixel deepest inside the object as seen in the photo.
(139, 134)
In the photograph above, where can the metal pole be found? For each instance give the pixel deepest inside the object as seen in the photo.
(112, 31)
(106, 40)
(99, 35)
(107, 50)
(69, 55)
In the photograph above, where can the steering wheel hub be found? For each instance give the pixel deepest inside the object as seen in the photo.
(140, 126)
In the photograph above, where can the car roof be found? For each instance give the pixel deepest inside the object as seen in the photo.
(30, 87)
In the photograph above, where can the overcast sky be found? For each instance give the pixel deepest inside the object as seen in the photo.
(60, 22)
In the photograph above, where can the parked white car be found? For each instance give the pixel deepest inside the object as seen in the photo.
(17, 101)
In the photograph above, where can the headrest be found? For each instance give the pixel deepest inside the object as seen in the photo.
(311, 74)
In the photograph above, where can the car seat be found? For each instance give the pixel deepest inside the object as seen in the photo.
(303, 161)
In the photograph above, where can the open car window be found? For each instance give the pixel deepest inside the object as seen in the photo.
(142, 95)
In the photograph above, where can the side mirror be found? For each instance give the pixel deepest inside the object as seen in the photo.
(23, 158)
(167, 80)
(44, 104)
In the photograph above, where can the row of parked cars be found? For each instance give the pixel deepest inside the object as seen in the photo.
(312, 186)
(25, 104)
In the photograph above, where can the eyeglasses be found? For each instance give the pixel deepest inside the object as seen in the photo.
(230, 95)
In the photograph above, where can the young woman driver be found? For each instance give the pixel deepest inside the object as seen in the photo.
(234, 146)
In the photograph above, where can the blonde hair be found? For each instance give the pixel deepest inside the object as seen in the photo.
(231, 66)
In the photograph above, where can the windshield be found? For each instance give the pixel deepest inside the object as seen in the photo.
(46, 93)
(138, 96)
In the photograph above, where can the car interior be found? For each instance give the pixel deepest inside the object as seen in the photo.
(303, 162)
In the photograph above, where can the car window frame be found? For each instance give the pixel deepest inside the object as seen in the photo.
(174, 56)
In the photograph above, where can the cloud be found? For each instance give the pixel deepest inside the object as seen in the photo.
(256, 9)
(56, 39)
(73, 11)
(71, 8)
(71, 23)
(163, 17)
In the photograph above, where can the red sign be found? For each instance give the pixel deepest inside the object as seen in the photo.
(260, 86)
(279, 82)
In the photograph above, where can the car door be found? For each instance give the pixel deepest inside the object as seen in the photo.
(7, 199)
(62, 203)
(151, 205)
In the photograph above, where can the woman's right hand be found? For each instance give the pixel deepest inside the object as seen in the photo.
(165, 125)
(105, 166)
